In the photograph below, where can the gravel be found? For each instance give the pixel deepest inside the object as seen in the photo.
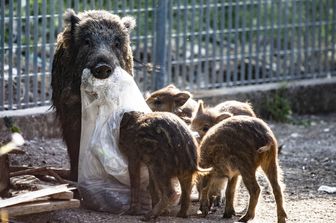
(308, 160)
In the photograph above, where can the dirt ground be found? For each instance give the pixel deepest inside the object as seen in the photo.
(308, 160)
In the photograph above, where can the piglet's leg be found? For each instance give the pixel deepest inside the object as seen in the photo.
(204, 202)
(229, 196)
(217, 201)
(134, 172)
(162, 186)
(153, 191)
(271, 169)
(254, 191)
(186, 185)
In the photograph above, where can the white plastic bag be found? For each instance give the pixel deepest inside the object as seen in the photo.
(103, 178)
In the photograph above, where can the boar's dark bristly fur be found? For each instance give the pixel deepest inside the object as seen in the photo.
(89, 39)
(238, 146)
(163, 142)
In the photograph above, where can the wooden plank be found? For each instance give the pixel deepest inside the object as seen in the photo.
(34, 194)
(17, 151)
(39, 207)
(41, 171)
(68, 195)
(64, 173)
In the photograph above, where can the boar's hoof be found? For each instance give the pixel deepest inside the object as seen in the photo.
(245, 218)
(182, 214)
(204, 209)
(229, 213)
(145, 218)
(165, 212)
(133, 211)
(217, 202)
(148, 217)
(213, 209)
(282, 220)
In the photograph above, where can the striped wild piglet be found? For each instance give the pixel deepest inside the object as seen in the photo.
(164, 143)
(205, 118)
(171, 99)
(202, 121)
(238, 146)
(236, 108)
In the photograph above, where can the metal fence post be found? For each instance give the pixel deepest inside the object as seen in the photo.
(161, 44)
(2, 53)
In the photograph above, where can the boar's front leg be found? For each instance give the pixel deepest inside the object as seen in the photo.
(134, 173)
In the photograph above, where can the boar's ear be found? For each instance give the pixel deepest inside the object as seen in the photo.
(182, 97)
(129, 23)
(70, 22)
(70, 18)
(223, 115)
(200, 108)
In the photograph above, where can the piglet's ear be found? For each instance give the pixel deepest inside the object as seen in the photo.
(129, 23)
(181, 98)
(200, 108)
(223, 115)
(130, 117)
(171, 86)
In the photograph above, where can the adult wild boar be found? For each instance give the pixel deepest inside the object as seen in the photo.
(99, 41)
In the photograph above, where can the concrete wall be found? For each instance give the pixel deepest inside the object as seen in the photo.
(34, 123)
(305, 97)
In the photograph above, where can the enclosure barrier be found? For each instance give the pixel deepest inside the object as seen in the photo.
(195, 44)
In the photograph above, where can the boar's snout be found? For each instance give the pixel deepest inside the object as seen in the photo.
(102, 70)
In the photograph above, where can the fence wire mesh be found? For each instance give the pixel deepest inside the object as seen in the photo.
(195, 44)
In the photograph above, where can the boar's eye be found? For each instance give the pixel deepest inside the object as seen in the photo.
(205, 128)
(87, 42)
(117, 42)
(157, 102)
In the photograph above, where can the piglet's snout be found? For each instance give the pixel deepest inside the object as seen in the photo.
(102, 70)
